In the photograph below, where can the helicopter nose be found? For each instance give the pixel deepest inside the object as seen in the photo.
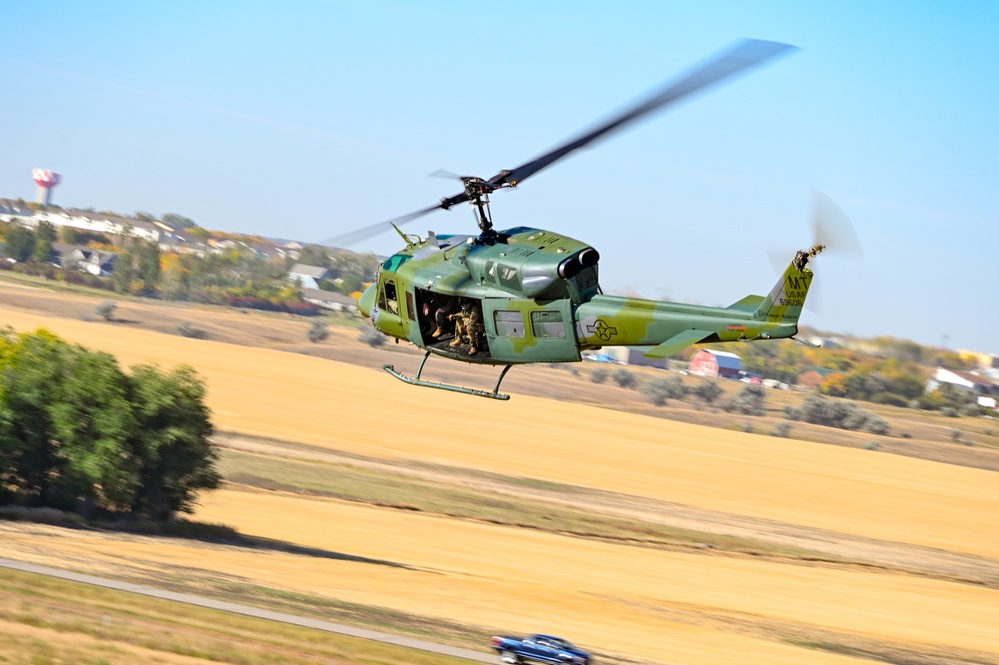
(367, 300)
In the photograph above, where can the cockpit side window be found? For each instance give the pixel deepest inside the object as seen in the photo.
(388, 299)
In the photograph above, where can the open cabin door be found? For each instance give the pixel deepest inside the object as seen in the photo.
(529, 331)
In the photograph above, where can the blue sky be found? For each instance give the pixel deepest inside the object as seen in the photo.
(308, 119)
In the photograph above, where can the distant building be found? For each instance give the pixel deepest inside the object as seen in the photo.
(12, 211)
(84, 259)
(635, 355)
(308, 276)
(813, 377)
(330, 300)
(95, 222)
(972, 381)
(708, 362)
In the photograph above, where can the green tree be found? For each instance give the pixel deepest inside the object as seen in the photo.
(178, 221)
(174, 426)
(70, 235)
(20, 243)
(138, 268)
(93, 431)
(78, 433)
(45, 235)
(315, 255)
(29, 366)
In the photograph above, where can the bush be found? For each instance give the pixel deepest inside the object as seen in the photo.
(841, 414)
(106, 310)
(657, 391)
(187, 330)
(675, 386)
(599, 375)
(782, 430)
(373, 337)
(751, 400)
(878, 425)
(625, 378)
(318, 331)
(793, 413)
(708, 390)
(891, 399)
(948, 412)
(971, 409)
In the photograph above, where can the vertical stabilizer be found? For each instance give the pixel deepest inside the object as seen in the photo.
(783, 304)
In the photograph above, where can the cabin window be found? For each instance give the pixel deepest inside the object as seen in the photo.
(509, 323)
(507, 276)
(389, 301)
(547, 324)
(410, 307)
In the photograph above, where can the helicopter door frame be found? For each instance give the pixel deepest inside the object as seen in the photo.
(389, 315)
(522, 331)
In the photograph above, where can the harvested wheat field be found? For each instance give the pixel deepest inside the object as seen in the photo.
(615, 598)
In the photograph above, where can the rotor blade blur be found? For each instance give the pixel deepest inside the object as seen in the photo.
(831, 226)
(744, 55)
(352, 237)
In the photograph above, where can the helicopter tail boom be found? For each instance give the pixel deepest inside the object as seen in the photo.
(672, 327)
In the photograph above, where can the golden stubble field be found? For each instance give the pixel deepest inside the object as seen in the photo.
(639, 603)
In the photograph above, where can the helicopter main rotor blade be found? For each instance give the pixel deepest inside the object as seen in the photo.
(744, 55)
(357, 235)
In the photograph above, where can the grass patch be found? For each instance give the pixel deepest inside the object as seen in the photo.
(382, 488)
(52, 620)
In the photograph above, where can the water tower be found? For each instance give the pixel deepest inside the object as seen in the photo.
(45, 180)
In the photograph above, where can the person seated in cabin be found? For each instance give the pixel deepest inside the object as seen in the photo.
(467, 322)
(442, 310)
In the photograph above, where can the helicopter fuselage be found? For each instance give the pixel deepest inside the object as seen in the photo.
(537, 296)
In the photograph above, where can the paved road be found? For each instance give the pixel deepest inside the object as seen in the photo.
(201, 601)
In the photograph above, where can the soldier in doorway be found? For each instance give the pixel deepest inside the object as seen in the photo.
(467, 322)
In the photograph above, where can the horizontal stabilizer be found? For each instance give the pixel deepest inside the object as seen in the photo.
(678, 343)
(747, 304)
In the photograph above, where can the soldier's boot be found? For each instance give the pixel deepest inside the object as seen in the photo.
(472, 350)
(438, 333)
(456, 341)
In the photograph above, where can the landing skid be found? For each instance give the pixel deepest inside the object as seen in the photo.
(417, 381)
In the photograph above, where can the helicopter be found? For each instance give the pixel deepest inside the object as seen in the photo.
(529, 295)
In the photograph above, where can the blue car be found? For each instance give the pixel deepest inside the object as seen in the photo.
(538, 648)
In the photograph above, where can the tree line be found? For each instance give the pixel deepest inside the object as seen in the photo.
(78, 433)
(236, 277)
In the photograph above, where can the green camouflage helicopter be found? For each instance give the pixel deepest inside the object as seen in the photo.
(527, 295)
